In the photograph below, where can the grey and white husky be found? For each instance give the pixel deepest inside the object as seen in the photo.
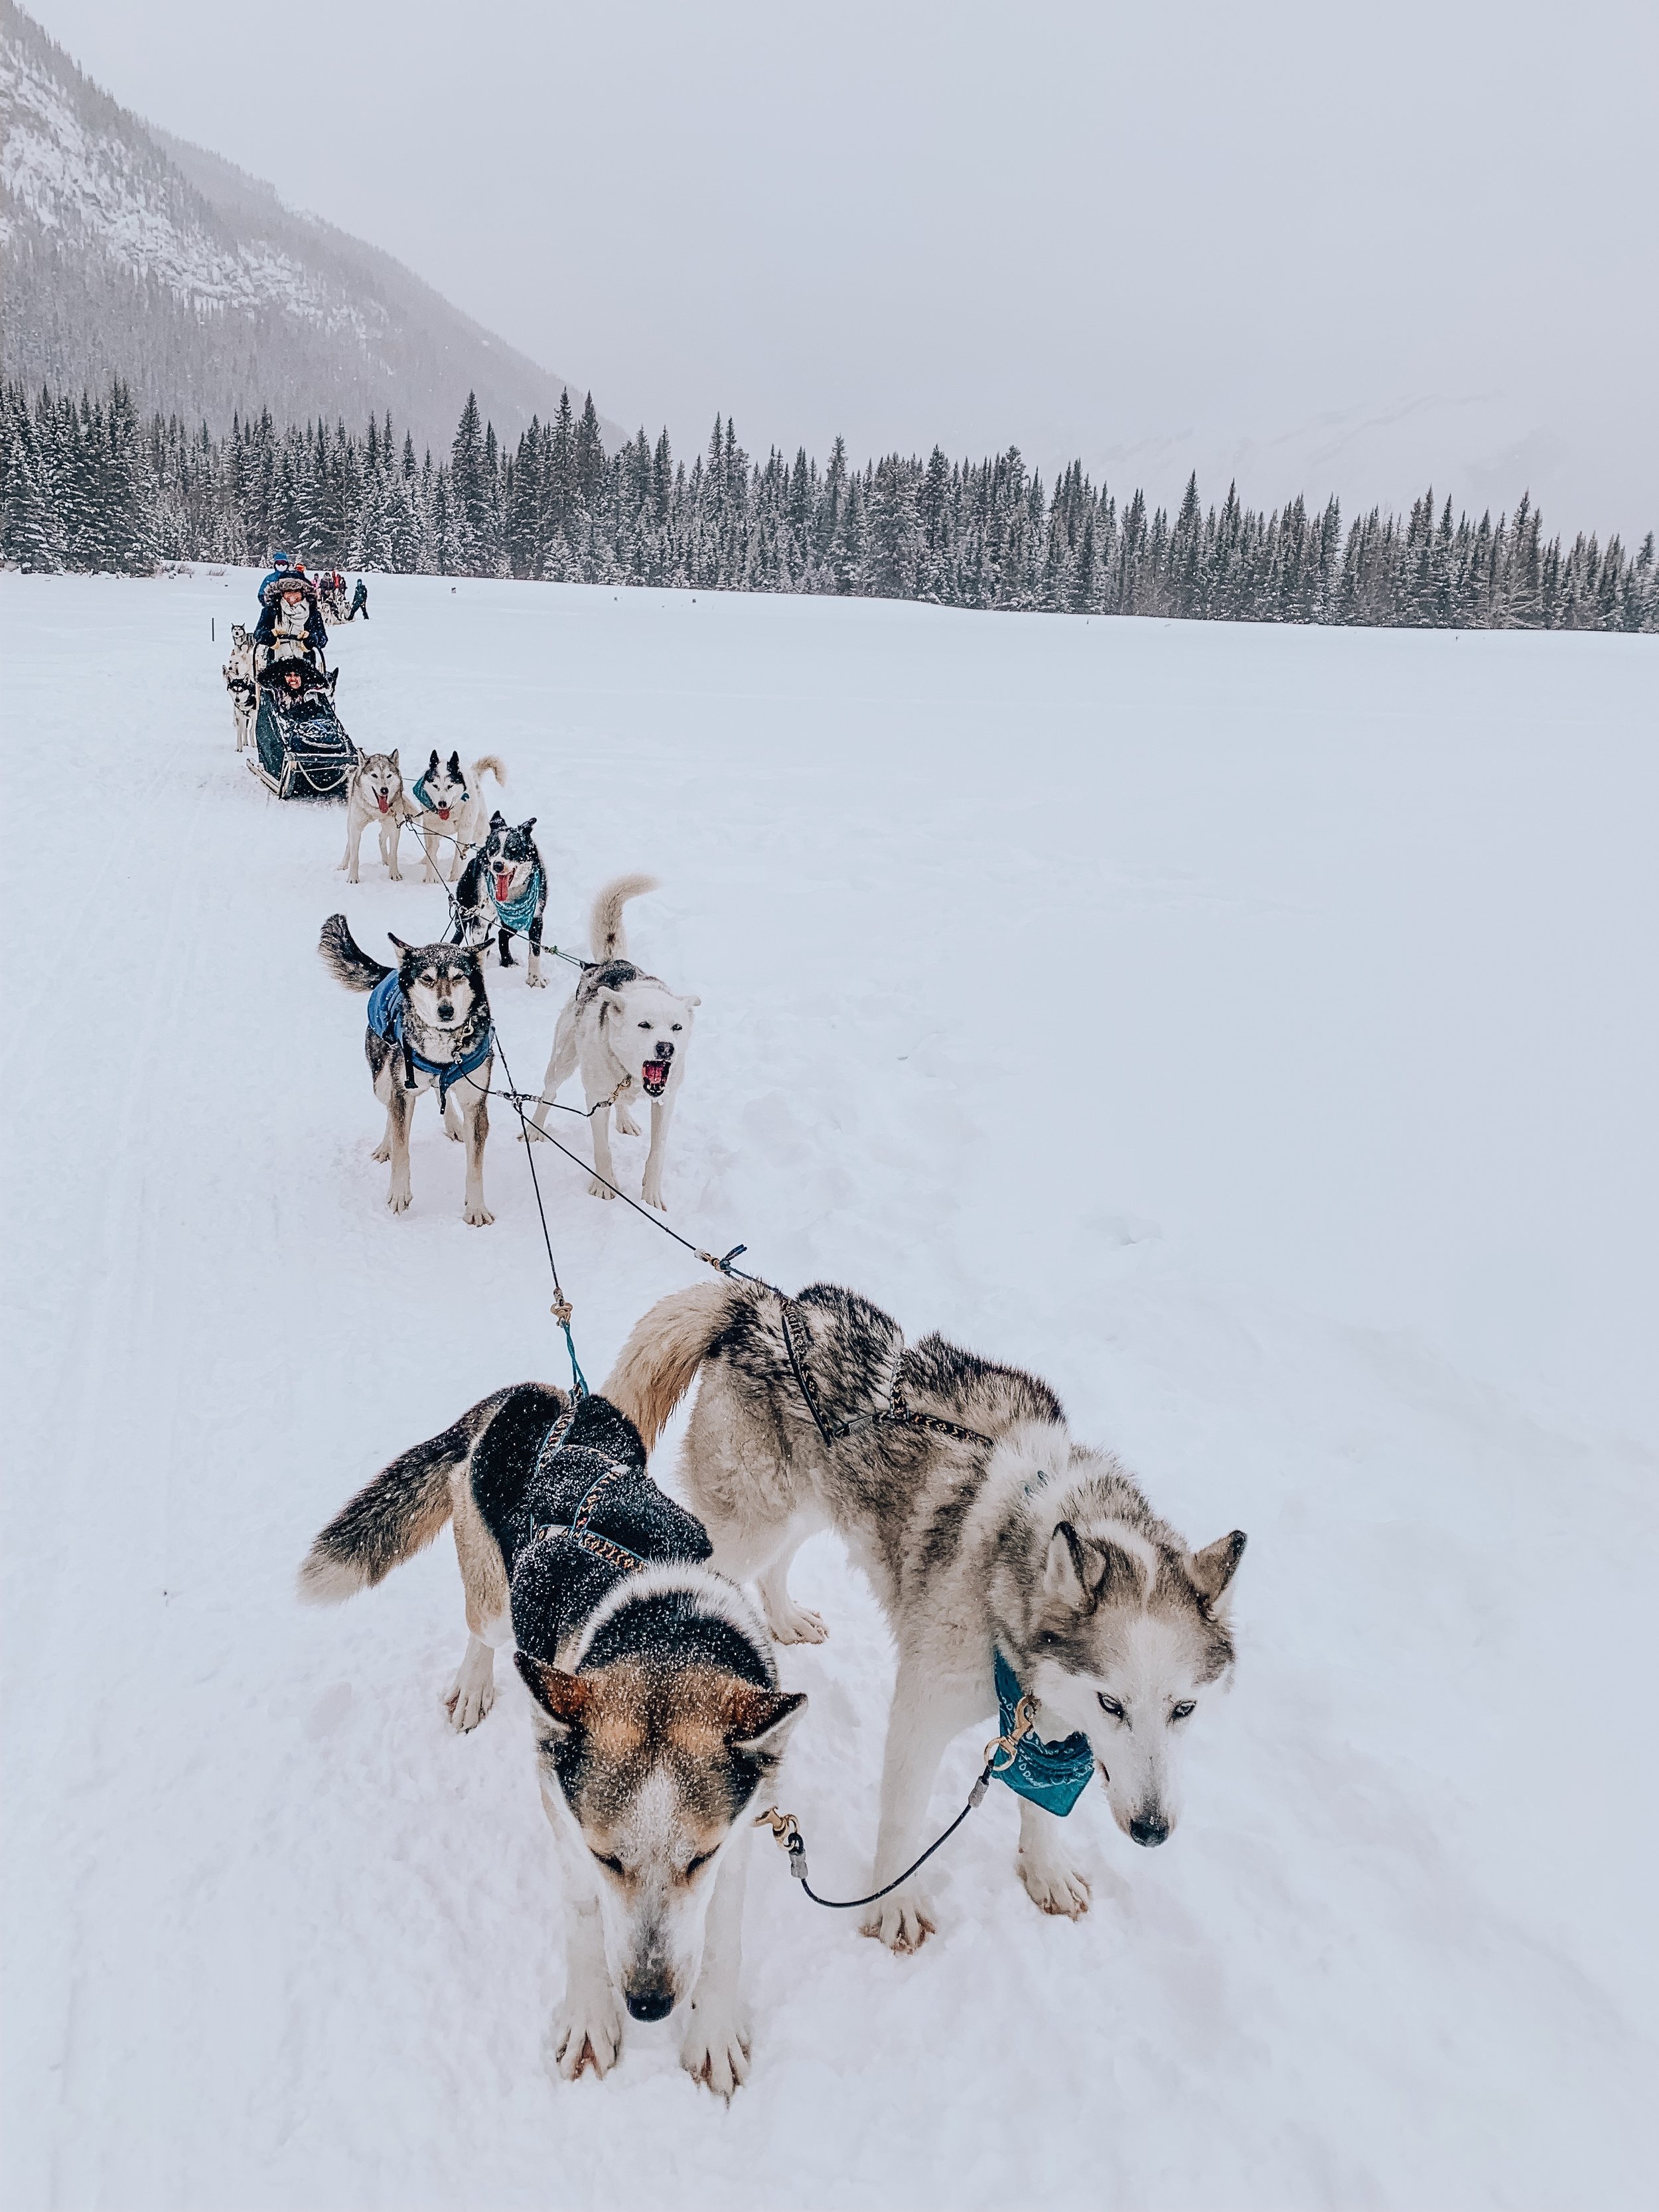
(428, 1030)
(374, 793)
(628, 1033)
(657, 1712)
(984, 1527)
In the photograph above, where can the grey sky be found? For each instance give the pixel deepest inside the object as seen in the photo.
(1323, 247)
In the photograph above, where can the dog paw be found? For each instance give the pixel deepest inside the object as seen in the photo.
(597, 1189)
(1053, 1886)
(477, 1214)
(537, 983)
(796, 1624)
(651, 1193)
(400, 1200)
(715, 2050)
(626, 1125)
(903, 1922)
(381, 1153)
(453, 1131)
(587, 2030)
(471, 1695)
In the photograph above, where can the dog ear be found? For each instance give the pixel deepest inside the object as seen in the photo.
(1214, 1568)
(757, 1721)
(607, 1001)
(399, 942)
(433, 762)
(1073, 1570)
(693, 1000)
(498, 820)
(392, 756)
(566, 1700)
(528, 826)
(455, 766)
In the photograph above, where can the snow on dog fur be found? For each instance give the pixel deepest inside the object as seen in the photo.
(658, 1716)
(628, 1032)
(983, 1528)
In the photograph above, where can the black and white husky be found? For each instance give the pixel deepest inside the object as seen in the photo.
(657, 1712)
(450, 811)
(628, 1033)
(428, 1030)
(374, 793)
(1004, 1551)
(503, 891)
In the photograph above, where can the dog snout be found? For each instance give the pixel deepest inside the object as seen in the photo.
(1149, 1828)
(662, 1049)
(446, 1010)
(654, 2001)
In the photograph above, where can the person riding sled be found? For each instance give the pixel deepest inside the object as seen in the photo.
(289, 612)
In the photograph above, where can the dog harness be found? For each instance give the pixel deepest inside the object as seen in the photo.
(518, 913)
(579, 1527)
(892, 1411)
(386, 1018)
(1052, 1775)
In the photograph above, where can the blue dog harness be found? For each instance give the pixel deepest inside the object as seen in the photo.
(517, 913)
(1052, 1775)
(386, 1018)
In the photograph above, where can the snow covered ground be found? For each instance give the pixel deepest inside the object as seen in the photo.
(1250, 1030)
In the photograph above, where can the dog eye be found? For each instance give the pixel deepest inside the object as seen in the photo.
(1048, 1638)
(694, 1865)
(678, 1026)
(1180, 1712)
(1110, 1705)
(645, 1026)
(610, 1865)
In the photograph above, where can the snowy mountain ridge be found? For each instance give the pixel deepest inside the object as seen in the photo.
(128, 252)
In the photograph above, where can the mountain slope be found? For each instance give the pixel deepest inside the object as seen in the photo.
(125, 251)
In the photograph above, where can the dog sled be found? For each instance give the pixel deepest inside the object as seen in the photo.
(300, 749)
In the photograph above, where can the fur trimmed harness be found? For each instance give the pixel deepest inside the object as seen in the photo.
(386, 1011)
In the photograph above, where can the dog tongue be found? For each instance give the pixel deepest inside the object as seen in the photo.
(503, 884)
(381, 796)
(443, 814)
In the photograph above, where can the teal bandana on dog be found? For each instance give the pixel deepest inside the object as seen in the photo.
(519, 913)
(1052, 1775)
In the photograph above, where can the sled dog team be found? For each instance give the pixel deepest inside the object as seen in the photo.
(1014, 1562)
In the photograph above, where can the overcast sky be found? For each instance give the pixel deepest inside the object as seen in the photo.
(1324, 246)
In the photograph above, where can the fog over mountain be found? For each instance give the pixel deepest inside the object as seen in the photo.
(126, 252)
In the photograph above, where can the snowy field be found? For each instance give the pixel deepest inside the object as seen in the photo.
(1250, 1030)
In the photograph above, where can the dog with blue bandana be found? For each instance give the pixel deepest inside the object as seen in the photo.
(502, 894)
(1013, 1561)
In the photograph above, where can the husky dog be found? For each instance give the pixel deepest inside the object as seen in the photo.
(658, 1714)
(987, 1533)
(503, 888)
(429, 1029)
(451, 818)
(239, 682)
(628, 1033)
(374, 793)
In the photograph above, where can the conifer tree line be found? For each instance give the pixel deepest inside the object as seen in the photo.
(85, 484)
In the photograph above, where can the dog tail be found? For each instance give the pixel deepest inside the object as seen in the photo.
(488, 761)
(346, 959)
(606, 938)
(665, 1347)
(393, 1517)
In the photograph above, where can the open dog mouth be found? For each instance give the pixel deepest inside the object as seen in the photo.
(443, 814)
(503, 886)
(654, 1076)
(384, 801)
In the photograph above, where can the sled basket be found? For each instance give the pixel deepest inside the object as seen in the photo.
(301, 753)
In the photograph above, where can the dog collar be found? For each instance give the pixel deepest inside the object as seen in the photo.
(1052, 1775)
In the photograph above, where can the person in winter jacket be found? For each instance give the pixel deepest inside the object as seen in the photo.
(359, 601)
(281, 565)
(288, 611)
